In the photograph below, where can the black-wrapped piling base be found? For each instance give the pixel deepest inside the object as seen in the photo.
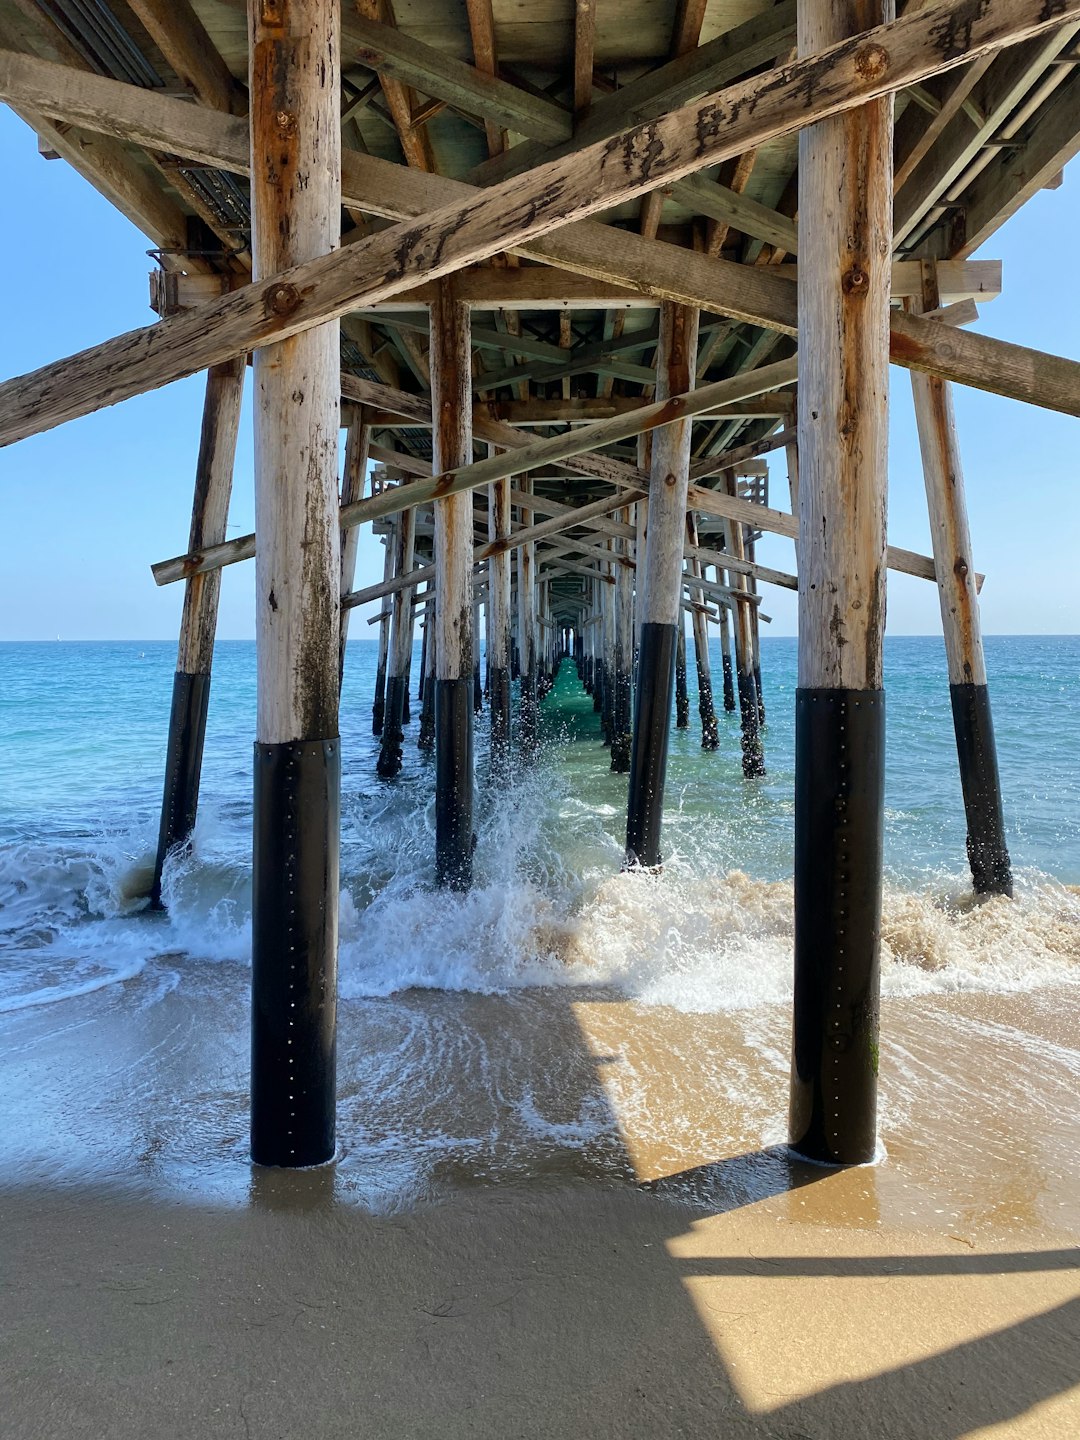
(425, 740)
(528, 718)
(988, 854)
(622, 735)
(183, 767)
(499, 683)
(839, 816)
(648, 757)
(392, 749)
(378, 707)
(729, 684)
(454, 783)
(753, 753)
(760, 696)
(710, 733)
(294, 909)
(682, 694)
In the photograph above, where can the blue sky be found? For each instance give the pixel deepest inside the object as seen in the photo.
(88, 507)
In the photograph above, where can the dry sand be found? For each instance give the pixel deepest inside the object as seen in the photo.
(680, 1279)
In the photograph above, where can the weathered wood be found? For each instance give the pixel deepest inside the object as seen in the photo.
(987, 849)
(383, 619)
(584, 50)
(622, 717)
(391, 750)
(352, 489)
(198, 621)
(400, 100)
(528, 698)
(295, 162)
(181, 37)
(1022, 169)
(499, 622)
(845, 197)
(661, 609)
(753, 758)
(710, 734)
(451, 389)
(677, 410)
(827, 83)
(725, 651)
(401, 57)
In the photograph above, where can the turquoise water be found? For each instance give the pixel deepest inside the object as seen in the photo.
(82, 732)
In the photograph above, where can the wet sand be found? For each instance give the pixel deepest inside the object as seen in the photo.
(555, 1213)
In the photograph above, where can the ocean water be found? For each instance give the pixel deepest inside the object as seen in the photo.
(437, 985)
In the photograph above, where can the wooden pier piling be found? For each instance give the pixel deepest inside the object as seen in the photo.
(682, 692)
(451, 388)
(622, 710)
(845, 244)
(753, 754)
(943, 473)
(661, 611)
(295, 169)
(357, 440)
(392, 749)
(710, 734)
(528, 695)
(725, 649)
(198, 621)
(499, 589)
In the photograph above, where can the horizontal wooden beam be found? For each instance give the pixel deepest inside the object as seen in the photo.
(840, 78)
(498, 467)
(390, 51)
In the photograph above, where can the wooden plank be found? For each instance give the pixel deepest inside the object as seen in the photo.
(352, 488)
(699, 72)
(482, 30)
(706, 197)
(584, 49)
(391, 260)
(415, 145)
(409, 61)
(753, 294)
(181, 37)
(1014, 176)
(1004, 86)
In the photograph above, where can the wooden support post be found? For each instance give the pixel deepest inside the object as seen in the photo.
(845, 241)
(753, 757)
(607, 604)
(596, 647)
(755, 628)
(352, 489)
(295, 87)
(661, 610)
(528, 701)
(710, 734)
(478, 687)
(195, 653)
(378, 704)
(624, 653)
(943, 472)
(499, 628)
(451, 408)
(391, 751)
(725, 649)
(682, 690)
(425, 739)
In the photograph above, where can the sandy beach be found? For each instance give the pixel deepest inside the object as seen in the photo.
(638, 1264)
